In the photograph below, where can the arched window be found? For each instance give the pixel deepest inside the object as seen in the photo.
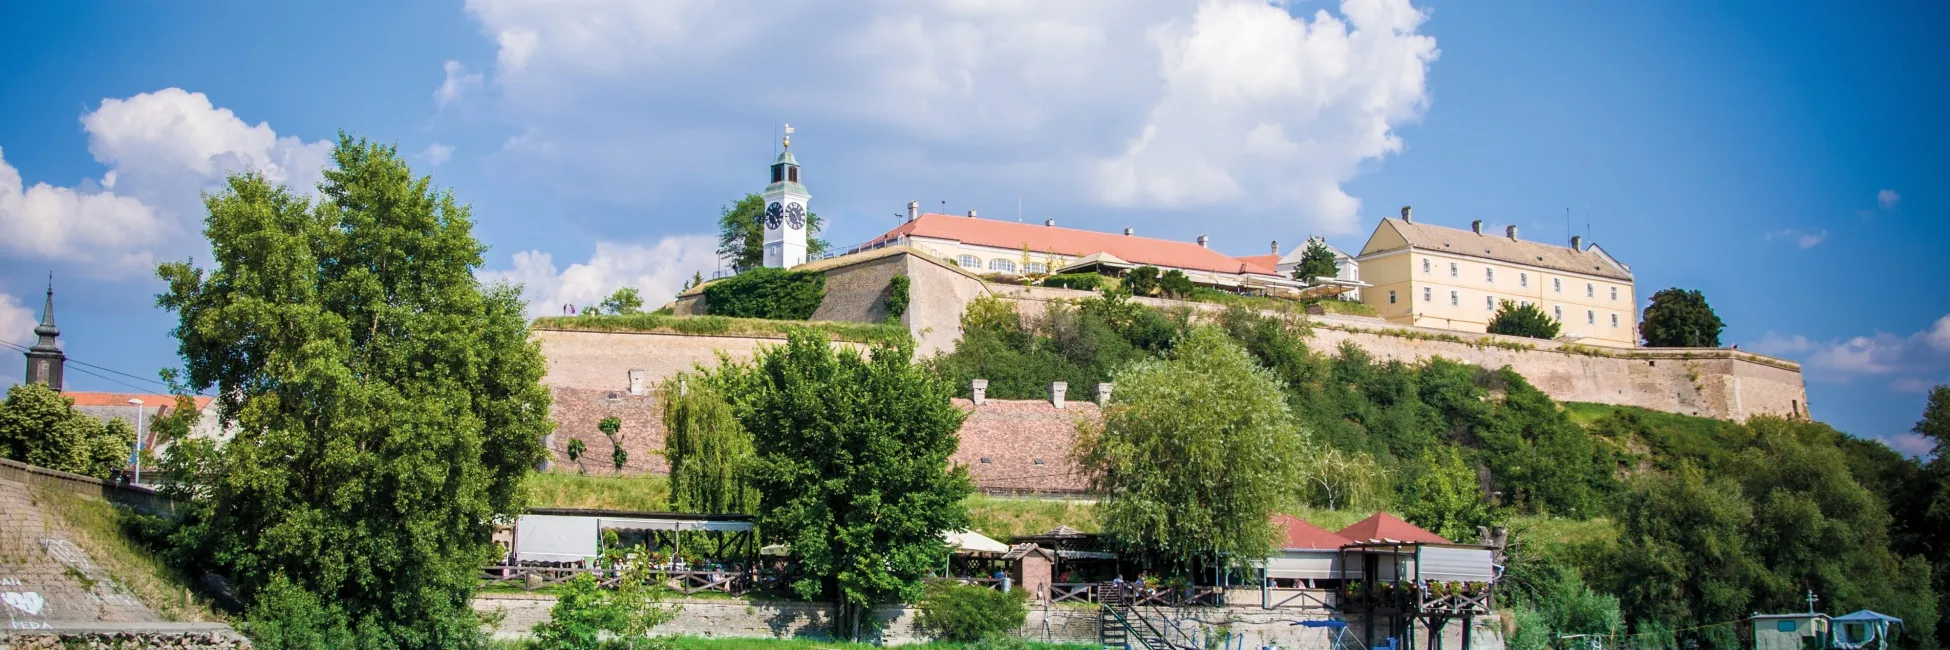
(1035, 267)
(1003, 265)
(969, 262)
(1426, 294)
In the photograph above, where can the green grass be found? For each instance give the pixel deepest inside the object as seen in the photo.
(98, 527)
(1346, 308)
(1558, 536)
(720, 326)
(565, 490)
(1003, 517)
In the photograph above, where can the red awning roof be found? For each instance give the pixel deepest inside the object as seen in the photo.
(1071, 242)
(1299, 533)
(1386, 527)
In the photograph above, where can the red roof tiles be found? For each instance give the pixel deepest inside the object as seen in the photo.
(1300, 533)
(82, 398)
(1074, 243)
(1383, 526)
(1268, 261)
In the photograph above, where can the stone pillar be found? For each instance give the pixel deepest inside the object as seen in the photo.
(1056, 390)
(978, 391)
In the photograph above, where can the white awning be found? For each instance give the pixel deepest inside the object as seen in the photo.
(549, 538)
(969, 541)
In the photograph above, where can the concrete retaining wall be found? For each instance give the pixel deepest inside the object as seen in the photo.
(133, 496)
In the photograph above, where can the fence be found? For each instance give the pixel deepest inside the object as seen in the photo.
(136, 497)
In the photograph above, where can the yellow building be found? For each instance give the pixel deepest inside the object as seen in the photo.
(1433, 276)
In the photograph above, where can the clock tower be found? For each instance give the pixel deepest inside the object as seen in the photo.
(785, 217)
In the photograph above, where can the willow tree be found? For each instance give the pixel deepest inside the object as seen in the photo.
(387, 406)
(1194, 454)
(706, 448)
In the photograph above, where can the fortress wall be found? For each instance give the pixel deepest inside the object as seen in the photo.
(937, 297)
(603, 360)
(857, 293)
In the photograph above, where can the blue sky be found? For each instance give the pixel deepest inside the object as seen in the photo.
(1782, 158)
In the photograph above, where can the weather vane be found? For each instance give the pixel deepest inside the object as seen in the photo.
(788, 136)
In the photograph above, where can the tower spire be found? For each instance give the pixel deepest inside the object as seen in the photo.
(46, 361)
(47, 312)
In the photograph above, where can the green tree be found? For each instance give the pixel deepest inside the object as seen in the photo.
(741, 233)
(1680, 318)
(1523, 319)
(1142, 281)
(1174, 283)
(611, 426)
(584, 610)
(852, 467)
(1443, 496)
(706, 449)
(576, 448)
(1316, 262)
(1194, 454)
(967, 613)
(624, 301)
(387, 406)
(1933, 503)
(40, 427)
(1682, 554)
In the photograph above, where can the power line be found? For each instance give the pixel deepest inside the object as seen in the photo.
(85, 365)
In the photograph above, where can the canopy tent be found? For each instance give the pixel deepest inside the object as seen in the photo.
(572, 535)
(545, 538)
(1863, 628)
(968, 541)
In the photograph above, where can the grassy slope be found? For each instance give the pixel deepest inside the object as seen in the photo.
(96, 526)
(563, 490)
(719, 326)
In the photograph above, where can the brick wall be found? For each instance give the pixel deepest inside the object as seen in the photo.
(1021, 445)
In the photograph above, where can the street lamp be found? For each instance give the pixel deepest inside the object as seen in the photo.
(137, 457)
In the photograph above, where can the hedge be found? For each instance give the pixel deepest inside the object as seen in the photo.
(1083, 281)
(775, 294)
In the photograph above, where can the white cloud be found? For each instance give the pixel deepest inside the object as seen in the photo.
(17, 321)
(1910, 444)
(437, 154)
(1802, 239)
(657, 271)
(457, 84)
(1938, 336)
(162, 150)
(1160, 103)
(1905, 359)
(1888, 199)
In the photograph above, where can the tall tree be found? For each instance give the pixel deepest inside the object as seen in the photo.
(41, 427)
(705, 447)
(1316, 262)
(741, 233)
(1680, 318)
(1523, 319)
(625, 301)
(1194, 453)
(387, 405)
(1442, 495)
(1682, 555)
(852, 467)
(1935, 501)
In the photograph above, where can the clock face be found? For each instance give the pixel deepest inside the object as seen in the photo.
(772, 217)
(795, 215)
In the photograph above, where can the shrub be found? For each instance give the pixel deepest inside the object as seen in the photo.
(775, 294)
(957, 612)
(288, 618)
(1175, 283)
(897, 290)
(1142, 281)
(1082, 281)
(1523, 319)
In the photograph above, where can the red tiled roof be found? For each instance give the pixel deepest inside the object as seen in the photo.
(1268, 261)
(1384, 526)
(1074, 243)
(1300, 533)
(82, 398)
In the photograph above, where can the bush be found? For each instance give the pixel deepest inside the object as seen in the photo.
(1080, 281)
(288, 618)
(897, 290)
(775, 294)
(1142, 281)
(1175, 284)
(957, 612)
(1524, 319)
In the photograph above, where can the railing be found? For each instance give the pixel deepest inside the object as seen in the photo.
(1277, 597)
(1073, 592)
(687, 582)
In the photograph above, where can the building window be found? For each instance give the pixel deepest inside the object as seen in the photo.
(1614, 320)
(1425, 265)
(1559, 313)
(1523, 279)
(1489, 274)
(1454, 299)
(969, 262)
(1590, 317)
(1035, 267)
(1614, 294)
(1489, 302)
(1003, 265)
(1426, 295)
(1589, 291)
(1557, 285)
(1391, 296)
(1453, 271)
(1784, 626)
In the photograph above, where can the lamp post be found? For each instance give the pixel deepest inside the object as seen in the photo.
(137, 457)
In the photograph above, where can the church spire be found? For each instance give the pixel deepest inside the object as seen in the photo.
(46, 329)
(45, 361)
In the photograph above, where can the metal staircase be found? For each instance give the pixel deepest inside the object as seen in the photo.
(1121, 627)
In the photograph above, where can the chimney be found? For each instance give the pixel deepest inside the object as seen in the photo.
(1276, 247)
(1049, 222)
(1577, 242)
(978, 391)
(971, 214)
(1512, 231)
(1103, 394)
(636, 381)
(1056, 389)
(1201, 241)
(1406, 211)
(913, 210)
(1127, 231)
(1476, 226)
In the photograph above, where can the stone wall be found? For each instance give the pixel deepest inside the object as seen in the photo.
(115, 637)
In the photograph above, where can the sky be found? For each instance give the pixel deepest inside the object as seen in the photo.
(1786, 159)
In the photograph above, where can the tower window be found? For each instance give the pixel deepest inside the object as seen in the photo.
(1391, 296)
(1003, 265)
(1454, 299)
(778, 173)
(969, 262)
(792, 173)
(1523, 279)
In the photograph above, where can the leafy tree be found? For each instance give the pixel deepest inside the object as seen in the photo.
(1682, 556)
(617, 456)
(1523, 319)
(1931, 515)
(386, 405)
(624, 301)
(897, 297)
(1182, 483)
(706, 448)
(1142, 281)
(697, 278)
(1175, 284)
(741, 233)
(775, 294)
(576, 448)
(1680, 318)
(1443, 496)
(1337, 479)
(852, 467)
(1316, 262)
(958, 612)
(584, 610)
(40, 427)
